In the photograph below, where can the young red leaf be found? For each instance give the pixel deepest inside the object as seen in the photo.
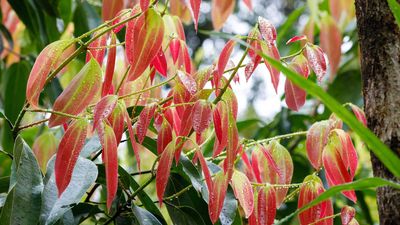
(331, 41)
(112, 52)
(223, 60)
(163, 170)
(254, 42)
(103, 109)
(134, 144)
(44, 147)
(316, 59)
(271, 50)
(117, 119)
(188, 82)
(202, 76)
(249, 4)
(243, 192)
(217, 196)
(220, 11)
(204, 168)
(267, 29)
(347, 214)
(164, 136)
(144, 121)
(122, 15)
(340, 160)
(160, 63)
(45, 62)
(202, 114)
(359, 114)
(266, 206)
(96, 49)
(143, 38)
(295, 97)
(110, 8)
(310, 189)
(68, 151)
(78, 94)
(296, 38)
(232, 146)
(144, 4)
(317, 138)
(175, 48)
(195, 9)
(110, 159)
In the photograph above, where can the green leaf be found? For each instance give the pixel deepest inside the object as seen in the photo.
(53, 208)
(4, 184)
(144, 217)
(22, 205)
(15, 86)
(395, 7)
(361, 184)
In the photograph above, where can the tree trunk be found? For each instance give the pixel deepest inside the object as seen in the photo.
(379, 37)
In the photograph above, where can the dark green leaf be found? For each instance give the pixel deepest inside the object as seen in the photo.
(144, 217)
(4, 184)
(22, 205)
(395, 7)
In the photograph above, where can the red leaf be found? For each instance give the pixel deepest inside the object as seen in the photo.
(68, 151)
(204, 168)
(174, 47)
(180, 9)
(223, 60)
(347, 214)
(317, 138)
(111, 8)
(232, 146)
(220, 11)
(359, 114)
(44, 148)
(266, 206)
(221, 123)
(310, 189)
(316, 59)
(112, 52)
(121, 18)
(188, 82)
(249, 4)
(97, 49)
(143, 38)
(296, 38)
(144, 121)
(202, 114)
(295, 97)
(243, 192)
(135, 146)
(104, 108)
(160, 63)
(45, 62)
(164, 136)
(217, 196)
(117, 119)
(144, 4)
(78, 94)
(267, 29)
(253, 52)
(271, 50)
(340, 160)
(110, 159)
(331, 41)
(195, 9)
(163, 170)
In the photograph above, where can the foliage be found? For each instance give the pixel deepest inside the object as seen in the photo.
(128, 126)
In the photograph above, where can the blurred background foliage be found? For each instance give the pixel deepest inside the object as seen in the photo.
(29, 25)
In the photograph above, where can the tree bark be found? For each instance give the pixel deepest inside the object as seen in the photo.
(379, 38)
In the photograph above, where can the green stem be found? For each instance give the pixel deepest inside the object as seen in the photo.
(325, 218)
(32, 124)
(251, 143)
(55, 112)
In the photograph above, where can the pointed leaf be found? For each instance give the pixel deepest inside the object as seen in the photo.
(223, 60)
(103, 109)
(163, 170)
(220, 11)
(112, 52)
(347, 214)
(188, 82)
(68, 151)
(45, 62)
(195, 9)
(164, 136)
(78, 94)
(97, 49)
(359, 114)
(44, 147)
(174, 48)
(243, 192)
(117, 119)
(296, 38)
(204, 168)
(316, 59)
(134, 144)
(160, 63)
(202, 114)
(266, 206)
(144, 121)
(271, 50)
(267, 29)
(144, 37)
(217, 196)
(110, 159)
(295, 97)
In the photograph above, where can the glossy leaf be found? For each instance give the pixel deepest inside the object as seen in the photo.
(217, 196)
(174, 48)
(220, 11)
(188, 82)
(310, 189)
(45, 62)
(116, 119)
(331, 41)
(110, 159)
(204, 168)
(266, 206)
(110, 8)
(97, 49)
(271, 50)
(68, 151)
(295, 97)
(103, 109)
(347, 214)
(163, 170)
(195, 9)
(164, 136)
(143, 38)
(317, 138)
(202, 114)
(144, 121)
(144, 4)
(316, 59)
(144, 217)
(112, 53)
(359, 113)
(267, 29)
(44, 147)
(223, 60)
(243, 192)
(340, 160)
(296, 38)
(160, 63)
(78, 94)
